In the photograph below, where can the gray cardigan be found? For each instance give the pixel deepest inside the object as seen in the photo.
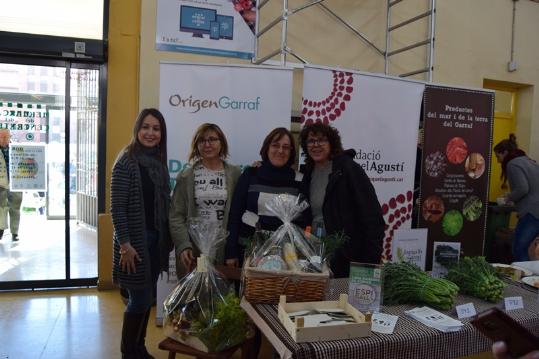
(523, 177)
(128, 221)
(182, 207)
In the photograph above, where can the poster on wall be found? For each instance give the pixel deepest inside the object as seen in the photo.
(246, 102)
(377, 116)
(27, 167)
(455, 166)
(25, 122)
(219, 27)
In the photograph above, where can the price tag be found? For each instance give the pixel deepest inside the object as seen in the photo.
(383, 323)
(513, 303)
(466, 310)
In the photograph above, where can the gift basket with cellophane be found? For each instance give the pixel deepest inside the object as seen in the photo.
(203, 311)
(289, 262)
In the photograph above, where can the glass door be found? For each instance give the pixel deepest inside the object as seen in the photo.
(52, 164)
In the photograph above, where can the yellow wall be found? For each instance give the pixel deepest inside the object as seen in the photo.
(472, 48)
(122, 108)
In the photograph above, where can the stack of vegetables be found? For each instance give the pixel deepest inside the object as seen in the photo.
(407, 283)
(202, 311)
(476, 277)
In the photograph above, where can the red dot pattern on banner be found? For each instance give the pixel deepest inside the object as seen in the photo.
(397, 211)
(330, 108)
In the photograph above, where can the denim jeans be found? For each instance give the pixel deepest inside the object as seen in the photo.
(140, 300)
(525, 232)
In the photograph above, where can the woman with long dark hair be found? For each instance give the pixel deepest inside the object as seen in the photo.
(140, 199)
(522, 173)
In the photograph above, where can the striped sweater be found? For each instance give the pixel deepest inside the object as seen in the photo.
(128, 221)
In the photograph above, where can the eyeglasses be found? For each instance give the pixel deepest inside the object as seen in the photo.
(317, 142)
(209, 140)
(277, 147)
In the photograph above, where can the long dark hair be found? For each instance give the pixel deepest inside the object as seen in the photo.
(510, 146)
(320, 129)
(275, 135)
(135, 146)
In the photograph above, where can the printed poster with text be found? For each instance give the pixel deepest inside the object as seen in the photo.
(455, 167)
(219, 27)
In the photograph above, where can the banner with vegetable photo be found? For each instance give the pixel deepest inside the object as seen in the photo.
(455, 166)
(378, 117)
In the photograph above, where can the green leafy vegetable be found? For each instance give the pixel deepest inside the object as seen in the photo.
(406, 283)
(476, 277)
(228, 328)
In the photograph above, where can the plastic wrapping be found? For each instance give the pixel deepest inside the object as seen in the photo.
(203, 310)
(288, 248)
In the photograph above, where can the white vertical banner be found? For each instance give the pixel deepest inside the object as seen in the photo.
(246, 102)
(377, 116)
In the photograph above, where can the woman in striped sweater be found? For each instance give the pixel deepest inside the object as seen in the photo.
(140, 198)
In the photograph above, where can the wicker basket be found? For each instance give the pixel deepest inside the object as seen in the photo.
(264, 286)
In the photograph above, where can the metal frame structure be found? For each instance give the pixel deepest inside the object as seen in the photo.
(284, 50)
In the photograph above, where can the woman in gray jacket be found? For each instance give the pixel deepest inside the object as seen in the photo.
(202, 191)
(140, 199)
(523, 175)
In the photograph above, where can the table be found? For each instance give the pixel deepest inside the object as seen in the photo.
(411, 339)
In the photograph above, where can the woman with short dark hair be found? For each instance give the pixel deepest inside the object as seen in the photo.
(257, 186)
(342, 198)
(523, 175)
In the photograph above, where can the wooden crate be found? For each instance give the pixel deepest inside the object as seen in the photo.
(361, 328)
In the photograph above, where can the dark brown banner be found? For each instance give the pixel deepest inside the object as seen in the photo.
(455, 167)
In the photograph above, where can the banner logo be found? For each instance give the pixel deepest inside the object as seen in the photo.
(333, 106)
(194, 105)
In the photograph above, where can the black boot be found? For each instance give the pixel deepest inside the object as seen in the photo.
(142, 351)
(130, 334)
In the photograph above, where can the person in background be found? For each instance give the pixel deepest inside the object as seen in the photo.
(140, 199)
(256, 187)
(203, 191)
(342, 198)
(10, 202)
(523, 175)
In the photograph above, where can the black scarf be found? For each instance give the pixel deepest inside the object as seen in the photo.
(150, 159)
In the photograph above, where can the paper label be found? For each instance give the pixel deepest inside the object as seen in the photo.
(202, 264)
(465, 310)
(250, 218)
(512, 303)
(384, 323)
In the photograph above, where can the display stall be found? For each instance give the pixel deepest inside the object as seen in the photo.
(411, 339)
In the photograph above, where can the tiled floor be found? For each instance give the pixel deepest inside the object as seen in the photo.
(65, 324)
(40, 252)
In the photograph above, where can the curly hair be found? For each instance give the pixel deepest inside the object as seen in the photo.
(321, 130)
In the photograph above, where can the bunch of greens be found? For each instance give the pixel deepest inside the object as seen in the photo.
(406, 283)
(331, 243)
(476, 277)
(227, 328)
